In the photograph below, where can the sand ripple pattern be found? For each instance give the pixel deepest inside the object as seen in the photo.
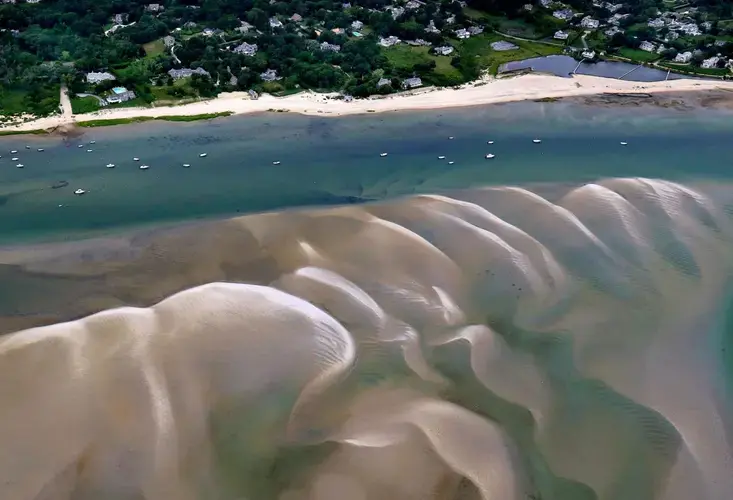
(494, 344)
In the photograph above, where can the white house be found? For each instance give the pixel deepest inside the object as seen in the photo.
(330, 47)
(683, 57)
(389, 41)
(247, 49)
(589, 23)
(589, 54)
(445, 50)
(99, 77)
(270, 75)
(561, 35)
(462, 34)
(275, 23)
(357, 25)
(647, 46)
(656, 23)
(564, 14)
(711, 62)
(411, 83)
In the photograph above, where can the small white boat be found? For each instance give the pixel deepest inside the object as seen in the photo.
(40, 150)
(15, 158)
(92, 142)
(89, 150)
(144, 167)
(276, 163)
(79, 192)
(110, 165)
(203, 155)
(13, 152)
(136, 159)
(80, 146)
(624, 143)
(490, 156)
(536, 141)
(451, 137)
(451, 162)
(27, 147)
(441, 157)
(489, 142)
(20, 165)
(186, 165)
(382, 154)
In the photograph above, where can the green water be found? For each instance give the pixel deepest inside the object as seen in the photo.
(336, 160)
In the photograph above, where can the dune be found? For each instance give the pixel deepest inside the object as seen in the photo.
(491, 343)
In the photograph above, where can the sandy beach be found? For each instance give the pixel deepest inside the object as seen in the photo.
(488, 91)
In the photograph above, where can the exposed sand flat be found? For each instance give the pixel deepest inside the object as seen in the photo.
(485, 344)
(488, 91)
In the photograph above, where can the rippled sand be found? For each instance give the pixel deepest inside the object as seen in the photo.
(501, 343)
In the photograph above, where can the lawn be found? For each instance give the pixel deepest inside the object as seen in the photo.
(84, 105)
(406, 57)
(12, 102)
(40, 101)
(154, 48)
(638, 55)
(480, 47)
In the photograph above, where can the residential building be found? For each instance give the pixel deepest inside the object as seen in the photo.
(462, 34)
(528, 7)
(275, 23)
(357, 25)
(296, 18)
(177, 74)
(613, 30)
(617, 18)
(683, 57)
(445, 50)
(546, 3)
(475, 30)
(418, 43)
(656, 23)
(383, 81)
(208, 32)
(99, 77)
(338, 31)
(720, 43)
(119, 18)
(564, 14)
(450, 20)
(154, 7)
(270, 76)
(411, 83)
(612, 7)
(412, 5)
(244, 27)
(431, 27)
(647, 46)
(169, 41)
(396, 11)
(711, 62)
(589, 23)
(389, 41)
(247, 49)
(32, 1)
(330, 47)
(707, 25)
(120, 94)
(589, 54)
(561, 35)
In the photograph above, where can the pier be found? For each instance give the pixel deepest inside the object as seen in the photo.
(630, 71)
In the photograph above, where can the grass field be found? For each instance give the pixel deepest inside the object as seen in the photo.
(139, 119)
(638, 55)
(154, 48)
(12, 102)
(406, 57)
(84, 105)
(480, 47)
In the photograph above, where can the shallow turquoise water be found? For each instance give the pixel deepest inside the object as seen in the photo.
(336, 160)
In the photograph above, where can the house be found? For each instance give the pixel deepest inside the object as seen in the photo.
(475, 30)
(244, 27)
(247, 49)
(99, 77)
(657, 23)
(707, 25)
(431, 27)
(396, 11)
(383, 81)
(589, 54)
(528, 7)
(711, 62)
(330, 47)
(612, 31)
(275, 23)
(450, 20)
(208, 32)
(546, 3)
(338, 31)
(296, 18)
(720, 43)
(177, 74)
(389, 41)
(561, 35)
(445, 50)
(154, 7)
(411, 83)
(418, 43)
(32, 1)
(612, 7)
(661, 49)
(357, 25)
(189, 25)
(270, 76)
(169, 41)
(617, 18)
(119, 18)
(462, 34)
(589, 23)
(120, 94)
(683, 57)
(647, 46)
(412, 5)
(563, 14)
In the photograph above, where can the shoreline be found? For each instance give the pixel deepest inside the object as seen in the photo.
(526, 87)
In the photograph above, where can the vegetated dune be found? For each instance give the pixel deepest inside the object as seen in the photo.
(495, 344)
